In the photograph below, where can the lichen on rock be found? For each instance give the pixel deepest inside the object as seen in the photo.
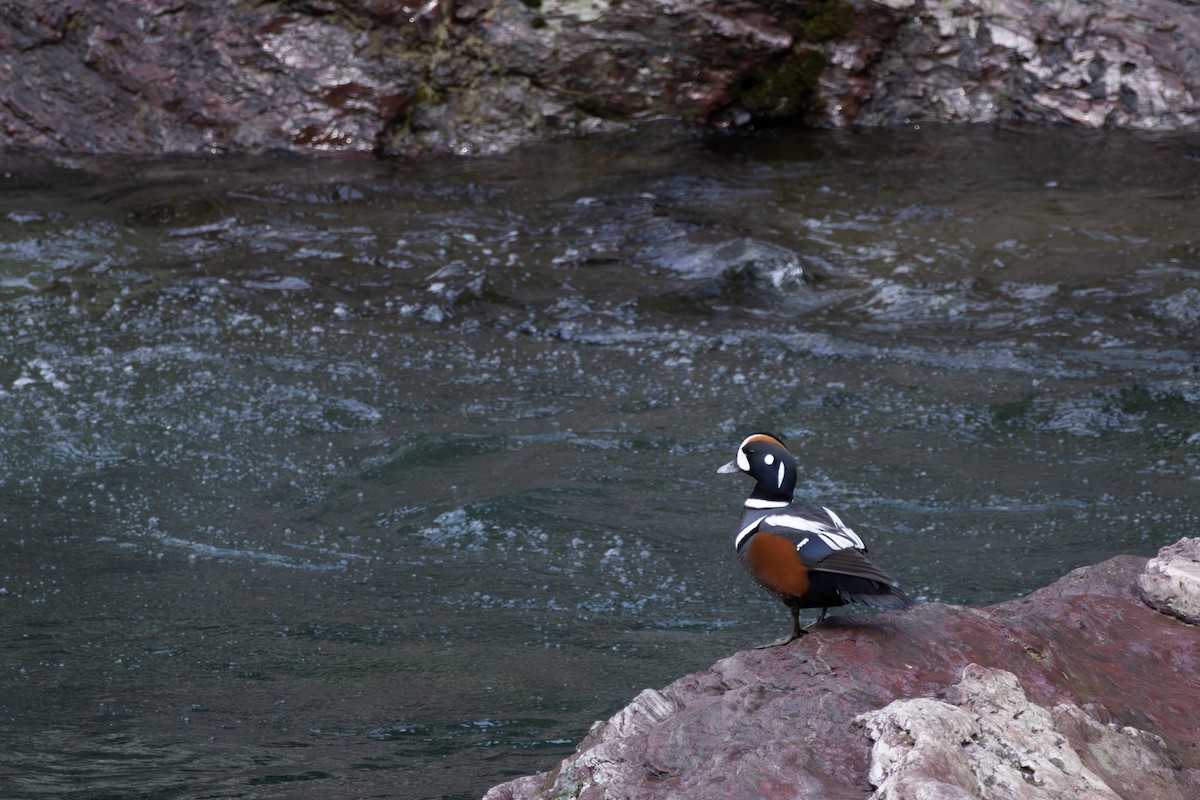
(987, 740)
(1171, 581)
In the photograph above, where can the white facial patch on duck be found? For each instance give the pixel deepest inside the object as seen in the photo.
(780, 474)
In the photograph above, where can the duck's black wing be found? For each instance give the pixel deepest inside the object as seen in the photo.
(857, 579)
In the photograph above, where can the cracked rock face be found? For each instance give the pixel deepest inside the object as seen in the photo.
(987, 740)
(1118, 63)
(1171, 582)
(1079, 690)
(480, 77)
(468, 77)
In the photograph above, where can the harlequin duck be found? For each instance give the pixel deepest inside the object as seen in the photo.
(803, 554)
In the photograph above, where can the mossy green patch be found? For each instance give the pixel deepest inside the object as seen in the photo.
(784, 89)
(825, 20)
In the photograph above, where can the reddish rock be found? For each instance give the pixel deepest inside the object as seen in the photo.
(478, 77)
(467, 77)
(1107, 683)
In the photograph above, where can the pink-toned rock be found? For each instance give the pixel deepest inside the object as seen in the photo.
(481, 77)
(1079, 687)
(469, 77)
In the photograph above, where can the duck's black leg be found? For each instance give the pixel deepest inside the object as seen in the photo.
(820, 617)
(796, 633)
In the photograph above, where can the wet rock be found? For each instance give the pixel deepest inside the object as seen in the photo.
(472, 77)
(1063, 693)
(1095, 64)
(480, 77)
(1171, 582)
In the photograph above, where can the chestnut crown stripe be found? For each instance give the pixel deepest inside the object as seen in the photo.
(743, 460)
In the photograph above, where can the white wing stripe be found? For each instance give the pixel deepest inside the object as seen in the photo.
(798, 523)
(838, 541)
(838, 537)
(844, 530)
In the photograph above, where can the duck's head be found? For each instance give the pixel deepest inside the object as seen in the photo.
(764, 457)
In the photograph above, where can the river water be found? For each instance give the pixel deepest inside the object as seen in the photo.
(357, 479)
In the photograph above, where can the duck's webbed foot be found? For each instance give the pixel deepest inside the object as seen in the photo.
(797, 631)
(820, 618)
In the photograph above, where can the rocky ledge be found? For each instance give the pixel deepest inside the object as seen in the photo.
(1079, 690)
(480, 77)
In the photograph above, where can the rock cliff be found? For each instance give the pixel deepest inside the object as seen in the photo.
(479, 77)
(1078, 690)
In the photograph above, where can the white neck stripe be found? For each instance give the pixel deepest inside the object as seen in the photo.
(754, 503)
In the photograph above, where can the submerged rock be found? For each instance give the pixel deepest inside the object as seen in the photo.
(479, 77)
(1077, 690)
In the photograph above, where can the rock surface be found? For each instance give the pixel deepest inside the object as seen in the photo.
(1077, 690)
(1116, 63)
(478, 77)
(1171, 582)
(987, 740)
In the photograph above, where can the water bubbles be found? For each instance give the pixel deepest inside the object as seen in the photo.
(470, 416)
(279, 283)
(40, 371)
(1182, 309)
(455, 525)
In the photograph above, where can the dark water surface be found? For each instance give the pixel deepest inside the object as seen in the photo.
(352, 479)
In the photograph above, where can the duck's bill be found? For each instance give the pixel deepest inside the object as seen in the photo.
(732, 466)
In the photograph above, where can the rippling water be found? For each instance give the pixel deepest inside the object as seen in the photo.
(358, 479)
